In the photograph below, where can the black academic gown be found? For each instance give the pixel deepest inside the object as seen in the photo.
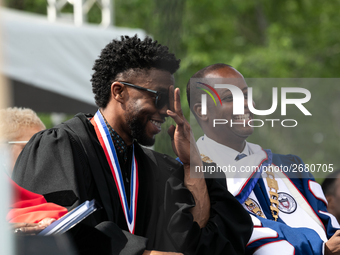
(68, 166)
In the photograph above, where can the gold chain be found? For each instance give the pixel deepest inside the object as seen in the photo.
(206, 159)
(273, 196)
(254, 208)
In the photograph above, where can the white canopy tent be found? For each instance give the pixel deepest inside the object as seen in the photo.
(55, 57)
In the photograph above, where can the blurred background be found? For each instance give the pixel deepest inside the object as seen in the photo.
(260, 38)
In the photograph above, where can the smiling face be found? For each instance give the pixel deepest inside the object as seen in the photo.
(143, 119)
(234, 133)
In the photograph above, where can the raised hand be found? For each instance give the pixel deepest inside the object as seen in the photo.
(182, 138)
(184, 145)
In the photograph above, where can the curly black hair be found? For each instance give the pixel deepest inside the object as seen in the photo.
(123, 55)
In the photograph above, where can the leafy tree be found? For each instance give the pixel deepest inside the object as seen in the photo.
(262, 39)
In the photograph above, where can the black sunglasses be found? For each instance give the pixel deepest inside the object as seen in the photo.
(160, 100)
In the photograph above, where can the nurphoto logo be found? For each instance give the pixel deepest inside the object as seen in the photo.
(239, 99)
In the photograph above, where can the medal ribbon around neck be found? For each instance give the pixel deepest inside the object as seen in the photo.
(106, 142)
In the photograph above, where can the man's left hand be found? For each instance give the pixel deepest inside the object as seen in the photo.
(184, 145)
(182, 138)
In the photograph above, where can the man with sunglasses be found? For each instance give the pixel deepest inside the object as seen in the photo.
(150, 203)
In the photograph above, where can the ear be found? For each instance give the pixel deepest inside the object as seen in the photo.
(330, 200)
(118, 91)
(197, 108)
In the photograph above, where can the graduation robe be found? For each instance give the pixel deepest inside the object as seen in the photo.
(68, 166)
(303, 224)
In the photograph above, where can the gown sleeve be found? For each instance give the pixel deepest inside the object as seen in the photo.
(313, 193)
(229, 226)
(269, 235)
(51, 164)
(46, 167)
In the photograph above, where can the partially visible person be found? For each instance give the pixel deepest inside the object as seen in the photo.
(29, 213)
(30, 207)
(17, 126)
(331, 189)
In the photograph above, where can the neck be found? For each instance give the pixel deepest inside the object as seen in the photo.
(236, 146)
(115, 121)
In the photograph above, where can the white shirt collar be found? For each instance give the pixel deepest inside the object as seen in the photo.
(224, 156)
(226, 150)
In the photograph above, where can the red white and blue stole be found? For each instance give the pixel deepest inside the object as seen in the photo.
(106, 142)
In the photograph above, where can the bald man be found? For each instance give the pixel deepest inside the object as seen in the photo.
(289, 215)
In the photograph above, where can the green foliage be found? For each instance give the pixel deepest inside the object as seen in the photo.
(262, 39)
(36, 6)
(46, 119)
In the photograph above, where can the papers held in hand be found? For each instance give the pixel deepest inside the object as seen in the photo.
(71, 218)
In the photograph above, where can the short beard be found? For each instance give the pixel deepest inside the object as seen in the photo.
(137, 128)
